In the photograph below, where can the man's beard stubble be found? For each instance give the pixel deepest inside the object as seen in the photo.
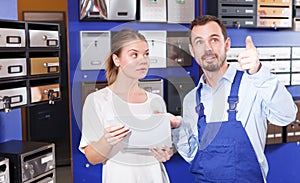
(212, 67)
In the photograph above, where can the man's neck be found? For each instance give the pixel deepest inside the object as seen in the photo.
(212, 78)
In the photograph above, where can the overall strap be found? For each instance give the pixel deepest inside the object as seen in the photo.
(199, 105)
(233, 99)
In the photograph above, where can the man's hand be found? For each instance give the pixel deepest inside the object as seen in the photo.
(175, 122)
(248, 59)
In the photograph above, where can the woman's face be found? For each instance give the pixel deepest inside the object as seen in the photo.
(133, 60)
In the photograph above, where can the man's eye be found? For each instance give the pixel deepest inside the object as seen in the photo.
(134, 55)
(146, 55)
(214, 40)
(199, 42)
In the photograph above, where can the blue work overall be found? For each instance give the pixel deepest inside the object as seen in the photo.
(225, 153)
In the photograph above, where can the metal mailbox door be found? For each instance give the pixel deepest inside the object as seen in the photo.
(43, 38)
(44, 65)
(41, 93)
(12, 37)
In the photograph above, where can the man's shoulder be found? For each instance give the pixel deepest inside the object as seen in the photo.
(190, 95)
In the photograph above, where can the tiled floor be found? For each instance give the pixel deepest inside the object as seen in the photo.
(64, 174)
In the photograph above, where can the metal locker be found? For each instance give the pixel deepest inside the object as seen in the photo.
(178, 53)
(4, 170)
(12, 67)
(237, 1)
(295, 80)
(94, 47)
(121, 10)
(274, 134)
(10, 37)
(181, 11)
(44, 65)
(43, 38)
(177, 88)
(237, 13)
(155, 86)
(41, 93)
(108, 10)
(239, 22)
(153, 11)
(276, 14)
(157, 47)
(293, 129)
(90, 87)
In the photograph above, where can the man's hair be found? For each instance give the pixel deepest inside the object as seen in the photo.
(202, 20)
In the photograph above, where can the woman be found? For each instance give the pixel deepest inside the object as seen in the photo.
(102, 136)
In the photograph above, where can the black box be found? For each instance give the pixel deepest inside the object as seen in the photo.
(4, 170)
(29, 160)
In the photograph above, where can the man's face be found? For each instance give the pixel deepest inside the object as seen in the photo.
(208, 46)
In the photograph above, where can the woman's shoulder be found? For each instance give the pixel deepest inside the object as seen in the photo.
(99, 94)
(153, 95)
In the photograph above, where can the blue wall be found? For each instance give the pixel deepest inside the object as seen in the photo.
(10, 123)
(9, 9)
(283, 159)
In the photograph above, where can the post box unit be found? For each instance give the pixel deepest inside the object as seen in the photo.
(274, 13)
(178, 53)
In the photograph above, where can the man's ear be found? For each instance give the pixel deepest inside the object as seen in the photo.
(227, 44)
(191, 50)
(116, 60)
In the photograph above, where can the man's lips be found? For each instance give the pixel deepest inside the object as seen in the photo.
(209, 58)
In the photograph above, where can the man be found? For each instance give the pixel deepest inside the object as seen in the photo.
(224, 127)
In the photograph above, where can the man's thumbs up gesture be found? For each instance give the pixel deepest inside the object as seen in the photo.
(248, 59)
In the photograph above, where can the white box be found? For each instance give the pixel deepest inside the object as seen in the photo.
(94, 47)
(153, 11)
(157, 47)
(181, 11)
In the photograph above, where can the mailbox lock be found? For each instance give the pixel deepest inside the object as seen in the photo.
(51, 94)
(6, 103)
(45, 37)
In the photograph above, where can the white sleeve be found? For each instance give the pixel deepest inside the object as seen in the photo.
(157, 103)
(278, 103)
(185, 137)
(92, 122)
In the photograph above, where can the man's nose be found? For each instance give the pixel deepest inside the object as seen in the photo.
(208, 46)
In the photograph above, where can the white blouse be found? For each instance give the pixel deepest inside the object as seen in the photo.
(99, 111)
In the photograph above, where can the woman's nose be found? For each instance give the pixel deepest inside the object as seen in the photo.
(144, 60)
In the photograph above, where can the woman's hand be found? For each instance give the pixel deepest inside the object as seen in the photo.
(114, 134)
(174, 121)
(162, 154)
(99, 151)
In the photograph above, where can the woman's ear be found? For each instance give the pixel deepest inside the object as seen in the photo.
(116, 60)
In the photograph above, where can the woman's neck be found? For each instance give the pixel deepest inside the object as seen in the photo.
(129, 91)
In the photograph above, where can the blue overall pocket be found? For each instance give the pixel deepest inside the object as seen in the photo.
(216, 162)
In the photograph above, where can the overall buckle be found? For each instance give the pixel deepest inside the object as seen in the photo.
(233, 101)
